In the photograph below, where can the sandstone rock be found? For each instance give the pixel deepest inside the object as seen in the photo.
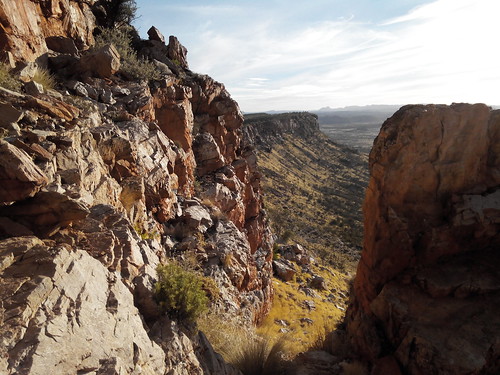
(54, 107)
(103, 62)
(155, 34)
(424, 285)
(61, 44)
(317, 282)
(34, 150)
(20, 177)
(207, 153)
(9, 228)
(284, 270)
(46, 212)
(9, 115)
(177, 52)
(174, 113)
(78, 88)
(29, 23)
(196, 217)
(212, 362)
(113, 174)
(238, 273)
(33, 88)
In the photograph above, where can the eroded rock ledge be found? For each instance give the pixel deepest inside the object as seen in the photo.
(427, 290)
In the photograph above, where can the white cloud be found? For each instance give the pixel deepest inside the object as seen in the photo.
(440, 52)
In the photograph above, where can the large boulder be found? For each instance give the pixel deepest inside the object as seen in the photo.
(427, 287)
(102, 63)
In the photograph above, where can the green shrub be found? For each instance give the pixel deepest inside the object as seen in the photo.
(180, 292)
(7, 79)
(131, 64)
(117, 12)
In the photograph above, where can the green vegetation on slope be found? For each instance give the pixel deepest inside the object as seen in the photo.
(314, 191)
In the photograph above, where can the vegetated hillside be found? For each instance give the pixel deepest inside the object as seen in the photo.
(314, 187)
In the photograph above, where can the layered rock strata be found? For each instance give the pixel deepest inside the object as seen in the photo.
(102, 180)
(30, 28)
(427, 290)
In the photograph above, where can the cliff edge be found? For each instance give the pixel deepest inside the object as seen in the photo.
(427, 289)
(104, 176)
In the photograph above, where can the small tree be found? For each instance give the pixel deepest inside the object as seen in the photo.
(116, 13)
(180, 292)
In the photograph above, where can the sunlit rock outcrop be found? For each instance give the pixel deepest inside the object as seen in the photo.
(427, 290)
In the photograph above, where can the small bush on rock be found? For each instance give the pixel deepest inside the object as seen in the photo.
(180, 292)
(131, 64)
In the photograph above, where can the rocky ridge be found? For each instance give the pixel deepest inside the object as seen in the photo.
(103, 179)
(426, 293)
(313, 186)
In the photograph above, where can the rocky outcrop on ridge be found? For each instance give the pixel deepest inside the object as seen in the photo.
(264, 130)
(427, 290)
(102, 180)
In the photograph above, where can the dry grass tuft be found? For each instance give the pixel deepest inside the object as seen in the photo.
(252, 354)
(259, 356)
(44, 78)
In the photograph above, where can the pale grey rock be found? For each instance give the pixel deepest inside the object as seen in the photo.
(211, 362)
(207, 153)
(197, 217)
(67, 314)
(78, 88)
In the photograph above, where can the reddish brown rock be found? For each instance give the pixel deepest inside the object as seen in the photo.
(177, 52)
(26, 24)
(427, 286)
(155, 34)
(19, 176)
(102, 63)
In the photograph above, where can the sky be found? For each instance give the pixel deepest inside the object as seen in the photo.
(306, 55)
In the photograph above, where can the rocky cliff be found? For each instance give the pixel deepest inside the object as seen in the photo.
(427, 289)
(102, 179)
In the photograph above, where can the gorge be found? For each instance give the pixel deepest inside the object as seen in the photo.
(129, 161)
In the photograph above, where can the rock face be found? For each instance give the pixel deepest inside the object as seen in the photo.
(104, 180)
(27, 23)
(266, 130)
(50, 306)
(427, 289)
